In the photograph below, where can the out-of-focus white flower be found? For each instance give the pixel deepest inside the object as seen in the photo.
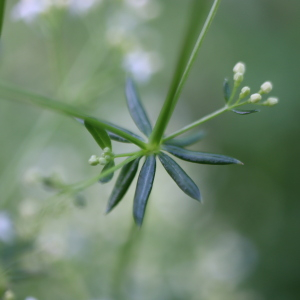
(239, 68)
(28, 208)
(9, 295)
(141, 64)
(254, 98)
(30, 298)
(145, 9)
(266, 87)
(6, 227)
(53, 244)
(32, 176)
(82, 6)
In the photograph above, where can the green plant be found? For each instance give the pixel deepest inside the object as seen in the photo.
(155, 144)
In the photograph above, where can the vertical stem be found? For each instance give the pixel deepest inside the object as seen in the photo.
(170, 103)
(123, 263)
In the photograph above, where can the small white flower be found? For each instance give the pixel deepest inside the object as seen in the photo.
(254, 98)
(102, 161)
(271, 101)
(30, 298)
(94, 160)
(239, 68)
(245, 92)
(266, 87)
(238, 77)
(9, 295)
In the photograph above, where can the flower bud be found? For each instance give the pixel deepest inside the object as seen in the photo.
(106, 150)
(239, 68)
(108, 157)
(245, 92)
(238, 77)
(266, 87)
(94, 160)
(254, 98)
(271, 101)
(102, 161)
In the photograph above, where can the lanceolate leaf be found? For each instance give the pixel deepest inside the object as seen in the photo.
(123, 182)
(143, 189)
(136, 108)
(109, 177)
(117, 138)
(179, 176)
(226, 90)
(245, 112)
(100, 135)
(201, 157)
(2, 9)
(187, 141)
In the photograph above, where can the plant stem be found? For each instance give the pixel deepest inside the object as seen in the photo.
(61, 107)
(126, 154)
(202, 120)
(122, 264)
(170, 103)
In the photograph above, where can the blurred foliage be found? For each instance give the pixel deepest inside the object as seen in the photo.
(242, 243)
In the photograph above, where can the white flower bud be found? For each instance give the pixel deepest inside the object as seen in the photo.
(94, 160)
(239, 68)
(245, 92)
(108, 157)
(238, 77)
(102, 161)
(106, 150)
(271, 101)
(254, 98)
(266, 87)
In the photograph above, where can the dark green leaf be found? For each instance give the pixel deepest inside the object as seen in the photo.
(123, 182)
(245, 112)
(179, 176)
(2, 10)
(201, 157)
(226, 90)
(186, 141)
(117, 138)
(100, 135)
(136, 108)
(143, 189)
(109, 177)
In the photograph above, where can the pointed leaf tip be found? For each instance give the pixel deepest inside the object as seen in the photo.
(186, 184)
(201, 157)
(136, 108)
(109, 177)
(143, 189)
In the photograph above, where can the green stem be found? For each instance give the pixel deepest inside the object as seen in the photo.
(68, 110)
(126, 154)
(123, 262)
(202, 120)
(2, 10)
(170, 103)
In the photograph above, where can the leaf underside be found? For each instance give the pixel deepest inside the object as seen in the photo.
(99, 135)
(186, 141)
(109, 177)
(245, 112)
(136, 108)
(123, 182)
(143, 189)
(201, 157)
(187, 185)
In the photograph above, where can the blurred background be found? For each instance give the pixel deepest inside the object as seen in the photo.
(241, 244)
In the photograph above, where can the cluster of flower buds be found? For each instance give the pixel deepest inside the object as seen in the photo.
(239, 71)
(105, 157)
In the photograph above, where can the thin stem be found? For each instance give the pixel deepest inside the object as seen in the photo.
(68, 110)
(126, 154)
(202, 120)
(123, 262)
(170, 103)
(235, 87)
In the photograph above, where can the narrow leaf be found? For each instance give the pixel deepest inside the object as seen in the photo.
(109, 177)
(2, 10)
(117, 138)
(201, 157)
(136, 108)
(100, 135)
(123, 182)
(245, 112)
(143, 189)
(180, 177)
(226, 90)
(187, 141)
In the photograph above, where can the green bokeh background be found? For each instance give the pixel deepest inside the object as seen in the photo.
(242, 243)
